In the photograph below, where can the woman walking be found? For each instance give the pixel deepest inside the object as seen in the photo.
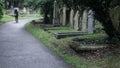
(16, 15)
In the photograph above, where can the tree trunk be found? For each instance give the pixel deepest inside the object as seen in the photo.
(104, 18)
(46, 19)
(5, 4)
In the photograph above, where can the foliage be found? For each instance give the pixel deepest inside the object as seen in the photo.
(101, 8)
(102, 12)
(46, 8)
(1, 9)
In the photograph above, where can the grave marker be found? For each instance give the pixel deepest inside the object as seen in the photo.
(90, 21)
(72, 18)
(76, 21)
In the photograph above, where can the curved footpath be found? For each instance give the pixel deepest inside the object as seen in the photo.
(19, 49)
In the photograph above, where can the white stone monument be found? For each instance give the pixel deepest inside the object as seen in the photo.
(84, 20)
(76, 21)
(90, 21)
(64, 16)
(24, 10)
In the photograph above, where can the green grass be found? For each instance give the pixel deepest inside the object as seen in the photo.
(61, 29)
(29, 16)
(7, 18)
(58, 46)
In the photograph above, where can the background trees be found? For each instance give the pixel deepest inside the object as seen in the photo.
(101, 8)
(102, 14)
(1, 9)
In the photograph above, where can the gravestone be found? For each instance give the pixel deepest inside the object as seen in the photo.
(28, 10)
(90, 22)
(55, 14)
(72, 18)
(84, 21)
(24, 10)
(76, 21)
(61, 16)
(64, 16)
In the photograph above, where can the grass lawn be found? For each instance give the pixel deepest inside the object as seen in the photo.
(61, 29)
(7, 18)
(59, 47)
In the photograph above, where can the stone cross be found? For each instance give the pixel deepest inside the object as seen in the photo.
(76, 21)
(90, 21)
(84, 20)
(72, 18)
(55, 14)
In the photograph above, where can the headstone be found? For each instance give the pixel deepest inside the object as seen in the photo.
(90, 21)
(84, 21)
(76, 21)
(28, 10)
(72, 18)
(64, 16)
(61, 16)
(55, 14)
(24, 10)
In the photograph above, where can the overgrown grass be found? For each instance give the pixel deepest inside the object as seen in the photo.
(59, 47)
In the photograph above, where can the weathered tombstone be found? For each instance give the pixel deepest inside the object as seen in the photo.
(84, 20)
(64, 16)
(76, 21)
(55, 14)
(12, 10)
(61, 16)
(28, 10)
(24, 10)
(90, 21)
(72, 18)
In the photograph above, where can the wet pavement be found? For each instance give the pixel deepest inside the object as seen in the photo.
(19, 49)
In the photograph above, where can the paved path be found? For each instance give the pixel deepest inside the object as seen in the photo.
(19, 49)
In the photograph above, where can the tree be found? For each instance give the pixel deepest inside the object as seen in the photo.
(102, 8)
(45, 6)
(1, 9)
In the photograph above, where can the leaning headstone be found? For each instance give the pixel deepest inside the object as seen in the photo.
(76, 21)
(55, 14)
(72, 18)
(90, 21)
(84, 20)
(64, 16)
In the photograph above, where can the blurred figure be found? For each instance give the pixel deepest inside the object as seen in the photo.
(16, 14)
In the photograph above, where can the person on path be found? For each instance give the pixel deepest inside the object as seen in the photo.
(16, 14)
